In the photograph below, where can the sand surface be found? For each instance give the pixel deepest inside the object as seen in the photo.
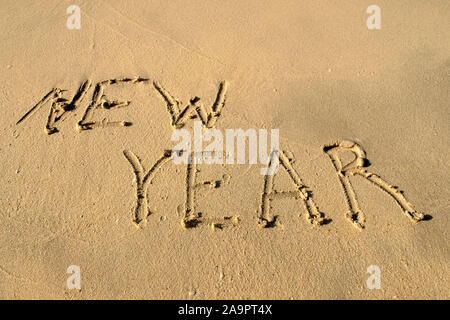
(311, 69)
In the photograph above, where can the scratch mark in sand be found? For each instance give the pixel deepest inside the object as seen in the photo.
(196, 51)
(356, 166)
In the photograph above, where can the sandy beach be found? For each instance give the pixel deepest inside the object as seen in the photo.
(358, 209)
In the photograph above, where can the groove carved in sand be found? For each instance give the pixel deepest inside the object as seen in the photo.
(59, 106)
(190, 217)
(313, 215)
(142, 181)
(99, 100)
(356, 166)
(179, 116)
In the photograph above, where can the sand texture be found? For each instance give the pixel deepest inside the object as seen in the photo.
(87, 178)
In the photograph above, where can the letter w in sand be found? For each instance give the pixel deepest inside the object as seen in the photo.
(180, 116)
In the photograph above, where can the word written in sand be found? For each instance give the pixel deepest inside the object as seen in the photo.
(60, 106)
(179, 115)
(192, 218)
